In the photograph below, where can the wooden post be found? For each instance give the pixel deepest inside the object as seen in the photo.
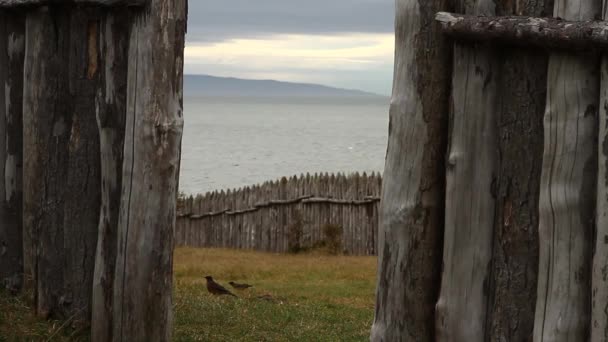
(61, 158)
(599, 288)
(568, 187)
(46, 135)
(582, 34)
(82, 190)
(412, 197)
(12, 39)
(522, 85)
(111, 110)
(143, 279)
(471, 175)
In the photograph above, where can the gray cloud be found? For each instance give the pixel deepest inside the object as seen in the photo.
(216, 20)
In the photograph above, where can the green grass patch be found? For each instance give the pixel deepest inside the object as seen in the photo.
(314, 297)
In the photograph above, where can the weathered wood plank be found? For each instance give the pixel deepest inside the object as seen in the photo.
(111, 111)
(16, 3)
(599, 284)
(83, 189)
(522, 89)
(144, 270)
(551, 33)
(62, 171)
(411, 213)
(12, 40)
(46, 136)
(568, 188)
(470, 198)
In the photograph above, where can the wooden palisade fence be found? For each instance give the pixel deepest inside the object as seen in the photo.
(499, 166)
(285, 215)
(90, 137)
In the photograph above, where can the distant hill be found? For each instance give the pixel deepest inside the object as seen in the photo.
(204, 85)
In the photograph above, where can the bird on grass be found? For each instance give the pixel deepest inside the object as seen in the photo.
(217, 289)
(240, 286)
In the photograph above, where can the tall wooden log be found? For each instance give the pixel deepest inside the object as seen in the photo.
(522, 85)
(6, 233)
(83, 189)
(577, 34)
(32, 3)
(12, 39)
(599, 288)
(144, 270)
(46, 137)
(568, 188)
(470, 191)
(411, 217)
(111, 111)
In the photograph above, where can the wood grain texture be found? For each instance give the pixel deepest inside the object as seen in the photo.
(412, 206)
(83, 188)
(16, 3)
(154, 122)
(599, 288)
(46, 136)
(6, 231)
(568, 189)
(524, 31)
(62, 163)
(12, 40)
(522, 87)
(110, 111)
(470, 191)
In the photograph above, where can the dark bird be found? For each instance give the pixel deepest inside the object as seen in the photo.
(240, 286)
(216, 289)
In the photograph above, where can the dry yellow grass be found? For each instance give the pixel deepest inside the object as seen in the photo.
(332, 279)
(317, 298)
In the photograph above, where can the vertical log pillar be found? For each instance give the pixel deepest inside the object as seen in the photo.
(143, 280)
(12, 30)
(599, 289)
(83, 189)
(111, 111)
(411, 214)
(46, 136)
(470, 190)
(522, 85)
(568, 188)
(61, 152)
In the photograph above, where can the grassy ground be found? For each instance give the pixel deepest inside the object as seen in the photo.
(314, 298)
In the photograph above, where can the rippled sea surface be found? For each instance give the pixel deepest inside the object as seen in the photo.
(234, 142)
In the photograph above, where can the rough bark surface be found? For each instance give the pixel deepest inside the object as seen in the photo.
(154, 123)
(62, 166)
(82, 201)
(6, 232)
(549, 33)
(568, 189)
(111, 110)
(11, 78)
(522, 89)
(11, 186)
(15, 3)
(599, 289)
(411, 220)
(46, 122)
(470, 191)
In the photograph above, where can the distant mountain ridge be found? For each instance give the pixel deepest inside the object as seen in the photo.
(205, 85)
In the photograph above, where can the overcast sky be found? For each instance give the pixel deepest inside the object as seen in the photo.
(343, 43)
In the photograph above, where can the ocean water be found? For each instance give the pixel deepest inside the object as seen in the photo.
(235, 142)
